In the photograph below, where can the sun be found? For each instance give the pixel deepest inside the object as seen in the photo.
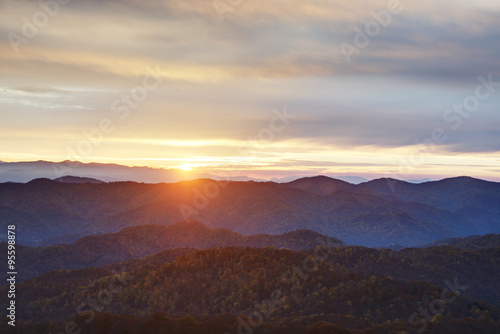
(185, 167)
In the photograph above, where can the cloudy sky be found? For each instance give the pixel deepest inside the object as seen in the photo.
(408, 89)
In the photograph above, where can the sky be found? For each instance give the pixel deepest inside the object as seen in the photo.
(404, 89)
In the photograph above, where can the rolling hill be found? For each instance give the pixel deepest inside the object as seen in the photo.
(141, 241)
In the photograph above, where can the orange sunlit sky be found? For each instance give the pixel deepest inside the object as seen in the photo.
(264, 88)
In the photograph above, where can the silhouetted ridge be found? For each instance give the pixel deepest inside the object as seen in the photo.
(41, 182)
(322, 185)
(77, 179)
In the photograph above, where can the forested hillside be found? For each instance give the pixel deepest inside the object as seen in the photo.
(280, 285)
(141, 241)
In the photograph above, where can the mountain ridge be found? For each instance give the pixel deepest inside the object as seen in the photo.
(470, 242)
(144, 240)
(368, 214)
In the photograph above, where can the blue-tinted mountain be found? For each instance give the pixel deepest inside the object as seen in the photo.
(477, 201)
(368, 214)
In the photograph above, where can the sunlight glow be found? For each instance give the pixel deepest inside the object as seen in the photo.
(186, 167)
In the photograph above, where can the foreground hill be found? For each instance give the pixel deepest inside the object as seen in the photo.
(141, 241)
(479, 269)
(271, 285)
(368, 214)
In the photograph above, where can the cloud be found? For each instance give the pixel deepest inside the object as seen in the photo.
(37, 90)
(261, 39)
(222, 78)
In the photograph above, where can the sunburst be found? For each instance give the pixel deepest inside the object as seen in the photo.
(185, 167)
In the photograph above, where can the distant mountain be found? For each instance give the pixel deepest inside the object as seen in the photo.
(419, 180)
(346, 178)
(349, 179)
(321, 185)
(77, 179)
(470, 242)
(477, 201)
(141, 241)
(368, 214)
(285, 179)
(27, 171)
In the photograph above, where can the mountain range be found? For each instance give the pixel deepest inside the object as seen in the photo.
(376, 213)
(29, 170)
